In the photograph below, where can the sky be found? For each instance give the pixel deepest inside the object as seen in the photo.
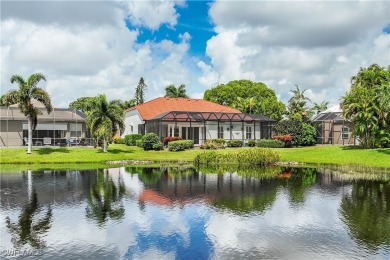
(86, 48)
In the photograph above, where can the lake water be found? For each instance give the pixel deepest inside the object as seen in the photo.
(174, 213)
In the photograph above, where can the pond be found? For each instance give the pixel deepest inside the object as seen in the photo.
(182, 213)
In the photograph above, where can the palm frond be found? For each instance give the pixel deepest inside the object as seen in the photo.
(18, 79)
(11, 97)
(43, 97)
(34, 79)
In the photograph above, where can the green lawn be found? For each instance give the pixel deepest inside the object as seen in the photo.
(315, 155)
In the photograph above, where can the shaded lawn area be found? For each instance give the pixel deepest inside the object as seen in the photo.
(316, 154)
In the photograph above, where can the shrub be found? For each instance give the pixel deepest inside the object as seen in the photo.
(131, 139)
(217, 141)
(181, 145)
(210, 145)
(138, 143)
(292, 127)
(118, 140)
(251, 156)
(252, 143)
(234, 143)
(149, 140)
(286, 139)
(168, 139)
(267, 143)
(308, 136)
(158, 146)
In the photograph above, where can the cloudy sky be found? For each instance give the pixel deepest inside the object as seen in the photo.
(87, 48)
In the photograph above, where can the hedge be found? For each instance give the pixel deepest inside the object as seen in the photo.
(234, 143)
(168, 139)
(181, 145)
(269, 143)
(130, 140)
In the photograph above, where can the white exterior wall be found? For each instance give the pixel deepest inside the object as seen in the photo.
(132, 118)
(212, 130)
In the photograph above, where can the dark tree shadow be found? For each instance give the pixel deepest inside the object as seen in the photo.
(44, 151)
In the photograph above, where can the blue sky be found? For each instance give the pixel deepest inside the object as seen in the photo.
(87, 48)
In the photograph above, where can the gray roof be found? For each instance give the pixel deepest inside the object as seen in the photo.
(329, 116)
(58, 114)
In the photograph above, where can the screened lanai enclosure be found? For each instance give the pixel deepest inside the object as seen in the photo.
(59, 128)
(200, 126)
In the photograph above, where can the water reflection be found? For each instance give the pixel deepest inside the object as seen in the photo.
(366, 212)
(184, 213)
(30, 227)
(105, 198)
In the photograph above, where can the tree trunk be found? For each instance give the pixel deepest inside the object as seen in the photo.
(104, 145)
(29, 145)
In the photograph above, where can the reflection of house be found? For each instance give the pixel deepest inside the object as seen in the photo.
(332, 128)
(52, 128)
(195, 119)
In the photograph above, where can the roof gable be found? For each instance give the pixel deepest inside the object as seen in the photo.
(157, 106)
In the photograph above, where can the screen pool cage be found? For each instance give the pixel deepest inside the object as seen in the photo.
(200, 126)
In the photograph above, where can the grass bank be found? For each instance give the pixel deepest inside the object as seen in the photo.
(338, 155)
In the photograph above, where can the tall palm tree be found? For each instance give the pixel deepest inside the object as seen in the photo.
(28, 90)
(297, 104)
(318, 108)
(173, 92)
(106, 119)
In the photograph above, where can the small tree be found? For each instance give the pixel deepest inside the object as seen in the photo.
(172, 92)
(28, 90)
(139, 96)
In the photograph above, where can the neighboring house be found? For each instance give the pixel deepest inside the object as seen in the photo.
(195, 119)
(332, 128)
(52, 129)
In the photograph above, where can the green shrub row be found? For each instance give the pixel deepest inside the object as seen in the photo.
(120, 140)
(130, 140)
(269, 143)
(214, 143)
(251, 156)
(234, 143)
(181, 145)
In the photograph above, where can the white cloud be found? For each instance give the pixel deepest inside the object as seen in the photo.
(152, 14)
(318, 46)
(94, 55)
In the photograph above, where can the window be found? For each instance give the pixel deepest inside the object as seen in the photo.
(345, 133)
(248, 132)
(176, 132)
(220, 132)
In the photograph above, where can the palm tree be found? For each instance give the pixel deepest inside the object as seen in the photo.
(106, 119)
(318, 108)
(28, 90)
(173, 92)
(297, 104)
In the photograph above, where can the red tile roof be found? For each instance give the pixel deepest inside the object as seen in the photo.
(161, 105)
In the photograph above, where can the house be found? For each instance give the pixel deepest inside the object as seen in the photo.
(195, 119)
(52, 129)
(332, 128)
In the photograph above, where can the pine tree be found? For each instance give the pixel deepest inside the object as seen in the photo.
(140, 92)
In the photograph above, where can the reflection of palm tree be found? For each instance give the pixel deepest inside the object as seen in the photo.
(366, 212)
(25, 231)
(105, 199)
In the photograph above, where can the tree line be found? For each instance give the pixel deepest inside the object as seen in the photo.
(366, 105)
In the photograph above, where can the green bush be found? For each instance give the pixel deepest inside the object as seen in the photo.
(131, 139)
(138, 143)
(251, 156)
(149, 140)
(302, 133)
(120, 141)
(251, 143)
(269, 143)
(308, 136)
(234, 143)
(214, 143)
(158, 146)
(181, 145)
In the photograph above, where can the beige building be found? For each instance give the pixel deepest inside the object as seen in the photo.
(56, 128)
(332, 128)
